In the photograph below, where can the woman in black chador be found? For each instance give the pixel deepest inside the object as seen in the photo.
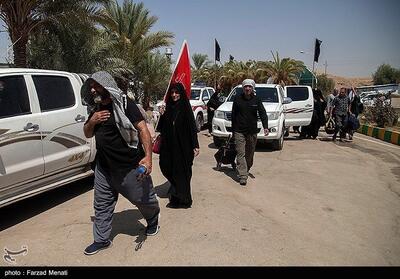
(179, 146)
(318, 117)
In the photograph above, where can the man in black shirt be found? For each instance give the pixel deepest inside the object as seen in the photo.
(341, 109)
(115, 121)
(246, 107)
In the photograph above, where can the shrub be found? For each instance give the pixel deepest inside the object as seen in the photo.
(381, 113)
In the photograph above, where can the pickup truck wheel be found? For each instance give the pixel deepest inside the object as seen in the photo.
(199, 122)
(278, 144)
(218, 142)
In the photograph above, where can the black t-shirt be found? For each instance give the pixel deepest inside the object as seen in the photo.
(113, 153)
(245, 112)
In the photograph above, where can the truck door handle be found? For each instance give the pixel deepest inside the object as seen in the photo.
(80, 118)
(31, 127)
(308, 105)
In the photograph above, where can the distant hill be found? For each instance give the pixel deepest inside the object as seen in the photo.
(349, 82)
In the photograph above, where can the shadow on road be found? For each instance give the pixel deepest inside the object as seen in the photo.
(127, 222)
(260, 147)
(25, 209)
(293, 138)
(162, 190)
(263, 147)
(325, 138)
(228, 171)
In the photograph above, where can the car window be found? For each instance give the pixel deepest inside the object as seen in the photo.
(210, 92)
(14, 98)
(206, 96)
(266, 94)
(54, 92)
(195, 94)
(297, 93)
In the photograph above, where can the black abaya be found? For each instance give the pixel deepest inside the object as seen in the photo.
(178, 140)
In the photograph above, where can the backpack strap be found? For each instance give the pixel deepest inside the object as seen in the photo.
(124, 102)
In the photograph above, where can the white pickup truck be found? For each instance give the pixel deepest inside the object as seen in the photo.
(199, 97)
(42, 145)
(286, 106)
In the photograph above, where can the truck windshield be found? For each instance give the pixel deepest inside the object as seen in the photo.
(266, 94)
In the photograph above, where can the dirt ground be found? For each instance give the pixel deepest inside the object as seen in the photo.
(314, 203)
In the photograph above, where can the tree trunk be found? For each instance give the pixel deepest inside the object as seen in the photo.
(146, 101)
(19, 49)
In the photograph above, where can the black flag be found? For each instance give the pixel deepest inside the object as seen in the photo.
(231, 58)
(317, 50)
(217, 51)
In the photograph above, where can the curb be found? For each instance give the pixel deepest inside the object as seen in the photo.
(380, 133)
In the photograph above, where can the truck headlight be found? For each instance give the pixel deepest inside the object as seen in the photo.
(219, 114)
(273, 115)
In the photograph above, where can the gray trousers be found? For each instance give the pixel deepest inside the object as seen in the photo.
(245, 147)
(341, 123)
(139, 192)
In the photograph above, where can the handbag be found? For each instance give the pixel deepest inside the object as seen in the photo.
(330, 126)
(353, 122)
(157, 145)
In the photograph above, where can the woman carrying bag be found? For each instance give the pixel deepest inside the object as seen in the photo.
(179, 146)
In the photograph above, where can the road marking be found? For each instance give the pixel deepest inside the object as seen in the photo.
(373, 141)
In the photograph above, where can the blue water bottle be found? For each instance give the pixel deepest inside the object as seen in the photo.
(141, 169)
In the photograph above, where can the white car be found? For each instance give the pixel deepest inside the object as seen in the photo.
(282, 112)
(199, 98)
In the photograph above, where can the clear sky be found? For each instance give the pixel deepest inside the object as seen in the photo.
(357, 35)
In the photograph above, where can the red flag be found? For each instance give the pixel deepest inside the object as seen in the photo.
(181, 72)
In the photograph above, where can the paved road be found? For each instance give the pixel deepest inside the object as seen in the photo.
(314, 203)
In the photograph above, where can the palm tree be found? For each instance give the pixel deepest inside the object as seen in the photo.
(285, 71)
(234, 72)
(129, 25)
(16, 14)
(201, 68)
(24, 17)
(200, 61)
(155, 69)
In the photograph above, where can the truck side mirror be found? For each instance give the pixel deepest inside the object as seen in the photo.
(286, 100)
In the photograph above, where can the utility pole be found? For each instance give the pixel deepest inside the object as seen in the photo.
(326, 66)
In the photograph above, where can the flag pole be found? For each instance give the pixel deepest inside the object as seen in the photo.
(313, 66)
(215, 65)
(312, 80)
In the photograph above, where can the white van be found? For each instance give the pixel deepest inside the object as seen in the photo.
(42, 144)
